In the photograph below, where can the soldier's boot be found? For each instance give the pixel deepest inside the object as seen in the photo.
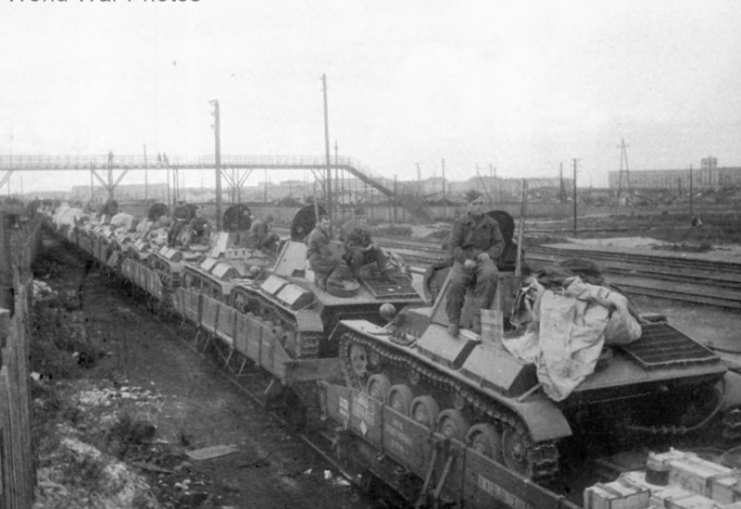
(386, 278)
(453, 330)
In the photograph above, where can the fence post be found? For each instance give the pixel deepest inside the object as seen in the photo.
(6, 271)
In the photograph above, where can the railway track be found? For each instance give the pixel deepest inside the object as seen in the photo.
(701, 281)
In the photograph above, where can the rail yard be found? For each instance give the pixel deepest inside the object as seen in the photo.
(362, 391)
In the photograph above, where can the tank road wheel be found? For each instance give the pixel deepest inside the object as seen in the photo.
(451, 423)
(516, 445)
(425, 410)
(378, 387)
(486, 440)
(400, 398)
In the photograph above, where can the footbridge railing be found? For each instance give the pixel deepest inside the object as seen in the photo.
(25, 162)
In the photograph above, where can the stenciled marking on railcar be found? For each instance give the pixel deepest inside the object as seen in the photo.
(399, 440)
(344, 408)
(364, 409)
(496, 491)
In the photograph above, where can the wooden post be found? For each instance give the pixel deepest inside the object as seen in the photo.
(6, 271)
(523, 212)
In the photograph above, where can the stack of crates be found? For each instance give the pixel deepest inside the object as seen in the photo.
(694, 483)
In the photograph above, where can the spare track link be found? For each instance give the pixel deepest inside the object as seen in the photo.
(544, 454)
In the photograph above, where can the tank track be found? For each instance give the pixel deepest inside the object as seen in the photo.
(544, 455)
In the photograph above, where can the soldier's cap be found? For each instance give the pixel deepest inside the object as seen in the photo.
(473, 195)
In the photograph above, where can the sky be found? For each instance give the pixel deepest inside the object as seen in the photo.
(517, 87)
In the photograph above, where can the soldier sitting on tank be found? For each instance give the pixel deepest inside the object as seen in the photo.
(329, 269)
(200, 228)
(360, 248)
(261, 235)
(181, 216)
(475, 245)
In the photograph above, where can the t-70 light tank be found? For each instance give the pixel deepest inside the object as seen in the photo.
(657, 390)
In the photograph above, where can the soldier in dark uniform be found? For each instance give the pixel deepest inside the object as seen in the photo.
(476, 244)
(261, 237)
(181, 215)
(199, 227)
(330, 269)
(360, 248)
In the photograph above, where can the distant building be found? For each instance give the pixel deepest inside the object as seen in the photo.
(708, 176)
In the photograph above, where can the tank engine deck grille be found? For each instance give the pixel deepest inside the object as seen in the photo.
(661, 345)
(384, 291)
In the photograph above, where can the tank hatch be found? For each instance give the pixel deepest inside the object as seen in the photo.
(661, 345)
(385, 291)
(437, 345)
(493, 368)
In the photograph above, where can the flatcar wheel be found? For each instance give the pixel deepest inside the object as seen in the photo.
(515, 451)
(378, 387)
(452, 424)
(400, 398)
(425, 410)
(486, 440)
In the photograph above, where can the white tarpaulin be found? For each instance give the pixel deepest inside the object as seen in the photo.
(567, 336)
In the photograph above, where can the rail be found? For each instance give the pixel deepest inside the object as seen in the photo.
(695, 280)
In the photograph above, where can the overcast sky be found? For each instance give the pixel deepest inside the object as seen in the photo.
(520, 86)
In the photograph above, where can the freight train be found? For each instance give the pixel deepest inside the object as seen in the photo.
(445, 421)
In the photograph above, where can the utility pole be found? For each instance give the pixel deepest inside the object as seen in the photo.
(623, 158)
(495, 191)
(217, 161)
(146, 175)
(445, 201)
(396, 196)
(575, 171)
(326, 148)
(419, 180)
(692, 209)
(563, 185)
(337, 178)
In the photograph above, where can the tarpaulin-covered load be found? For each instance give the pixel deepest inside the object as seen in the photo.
(566, 322)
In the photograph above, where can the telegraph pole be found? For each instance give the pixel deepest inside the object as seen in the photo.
(445, 202)
(146, 176)
(692, 210)
(418, 192)
(623, 157)
(326, 148)
(217, 161)
(575, 230)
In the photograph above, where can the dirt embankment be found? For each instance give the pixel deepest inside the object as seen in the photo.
(120, 402)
